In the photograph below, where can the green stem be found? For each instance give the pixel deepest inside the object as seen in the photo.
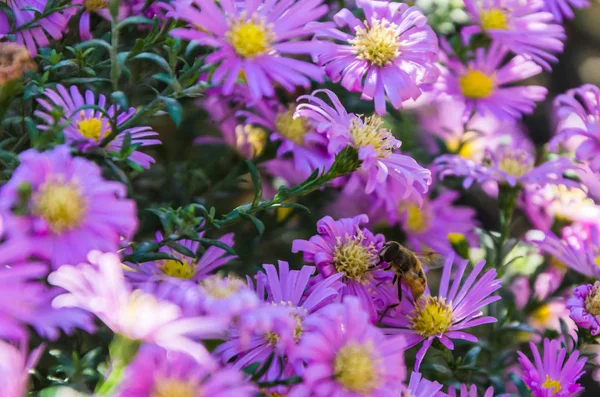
(122, 352)
(114, 51)
(507, 201)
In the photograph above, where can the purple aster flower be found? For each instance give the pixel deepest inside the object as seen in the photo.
(101, 8)
(585, 307)
(64, 207)
(35, 36)
(15, 365)
(257, 40)
(392, 53)
(88, 127)
(288, 289)
(563, 9)
(156, 372)
(456, 307)
(183, 267)
(488, 87)
(552, 376)
(471, 391)
(578, 114)
(522, 27)
(507, 164)
(436, 224)
(392, 176)
(343, 246)
(101, 289)
(421, 387)
(297, 135)
(346, 356)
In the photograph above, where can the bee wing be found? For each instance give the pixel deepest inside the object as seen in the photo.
(430, 259)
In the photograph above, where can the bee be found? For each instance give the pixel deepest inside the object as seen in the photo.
(407, 267)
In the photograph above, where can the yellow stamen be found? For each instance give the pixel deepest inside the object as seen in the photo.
(353, 258)
(292, 128)
(432, 316)
(250, 37)
(355, 368)
(174, 388)
(542, 314)
(553, 385)
(512, 166)
(369, 132)
(221, 288)
(417, 220)
(456, 238)
(256, 137)
(378, 44)
(597, 261)
(494, 19)
(272, 338)
(465, 149)
(592, 301)
(91, 128)
(183, 269)
(477, 85)
(61, 204)
(93, 5)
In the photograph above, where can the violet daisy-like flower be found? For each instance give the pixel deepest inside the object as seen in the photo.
(445, 315)
(101, 289)
(585, 307)
(551, 376)
(470, 391)
(289, 289)
(257, 40)
(157, 372)
(421, 387)
(15, 365)
(507, 164)
(36, 35)
(347, 356)
(391, 53)
(391, 176)
(62, 206)
(297, 135)
(578, 114)
(182, 267)
(488, 87)
(563, 9)
(87, 128)
(344, 246)
(522, 27)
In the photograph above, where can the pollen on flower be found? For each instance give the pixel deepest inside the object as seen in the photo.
(93, 5)
(542, 314)
(465, 149)
(251, 135)
(597, 261)
(177, 269)
(272, 338)
(592, 301)
(368, 131)
(173, 388)
(378, 44)
(91, 128)
(515, 162)
(417, 220)
(221, 288)
(353, 258)
(476, 85)
(61, 204)
(355, 368)
(431, 316)
(250, 37)
(494, 19)
(293, 128)
(552, 384)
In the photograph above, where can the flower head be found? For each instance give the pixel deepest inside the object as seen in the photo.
(585, 307)
(87, 128)
(421, 387)
(389, 54)
(522, 27)
(255, 40)
(62, 206)
(347, 356)
(35, 35)
(345, 247)
(487, 87)
(470, 391)
(15, 365)
(158, 373)
(456, 307)
(100, 288)
(563, 9)
(552, 376)
(14, 62)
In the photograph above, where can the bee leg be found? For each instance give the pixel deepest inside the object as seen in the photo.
(387, 309)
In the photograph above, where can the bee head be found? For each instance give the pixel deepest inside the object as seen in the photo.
(390, 251)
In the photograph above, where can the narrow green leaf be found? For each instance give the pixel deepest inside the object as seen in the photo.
(94, 43)
(174, 108)
(120, 99)
(158, 60)
(181, 249)
(218, 244)
(136, 20)
(255, 183)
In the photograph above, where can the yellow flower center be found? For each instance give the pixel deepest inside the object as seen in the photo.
(256, 137)
(251, 37)
(222, 288)
(355, 368)
(174, 388)
(272, 338)
(465, 149)
(183, 269)
(512, 166)
(93, 5)
(494, 19)
(432, 316)
(553, 385)
(378, 44)
(597, 261)
(369, 132)
(91, 128)
(542, 314)
(476, 85)
(353, 258)
(592, 301)
(456, 238)
(417, 220)
(61, 204)
(274, 395)
(290, 127)
(299, 329)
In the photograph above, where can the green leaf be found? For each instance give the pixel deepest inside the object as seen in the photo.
(265, 367)
(181, 249)
(518, 382)
(149, 257)
(94, 43)
(174, 108)
(218, 244)
(158, 60)
(471, 356)
(260, 227)
(136, 20)
(120, 99)
(251, 369)
(255, 183)
(293, 206)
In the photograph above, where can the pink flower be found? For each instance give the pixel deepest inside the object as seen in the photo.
(14, 368)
